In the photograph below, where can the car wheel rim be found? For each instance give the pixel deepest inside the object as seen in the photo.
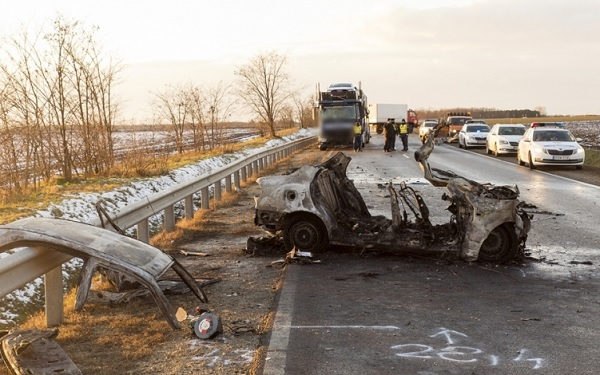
(305, 236)
(497, 246)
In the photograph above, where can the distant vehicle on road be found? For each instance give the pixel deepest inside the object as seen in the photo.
(475, 122)
(504, 138)
(549, 144)
(337, 110)
(380, 113)
(472, 135)
(455, 121)
(425, 128)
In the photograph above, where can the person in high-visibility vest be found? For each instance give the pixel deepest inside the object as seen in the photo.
(404, 135)
(357, 137)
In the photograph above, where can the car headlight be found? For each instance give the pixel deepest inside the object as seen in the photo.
(538, 150)
(503, 142)
(580, 150)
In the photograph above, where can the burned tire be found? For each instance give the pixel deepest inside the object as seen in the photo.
(306, 233)
(500, 246)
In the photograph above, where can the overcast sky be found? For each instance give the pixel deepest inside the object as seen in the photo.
(506, 54)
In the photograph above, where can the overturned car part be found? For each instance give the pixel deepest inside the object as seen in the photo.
(35, 352)
(318, 205)
(100, 248)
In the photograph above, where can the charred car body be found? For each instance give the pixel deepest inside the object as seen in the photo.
(318, 205)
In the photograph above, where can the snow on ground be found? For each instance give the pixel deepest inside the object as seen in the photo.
(81, 207)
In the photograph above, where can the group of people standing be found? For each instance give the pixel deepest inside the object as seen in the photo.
(390, 130)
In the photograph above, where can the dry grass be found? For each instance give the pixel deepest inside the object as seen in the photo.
(186, 228)
(144, 326)
(592, 158)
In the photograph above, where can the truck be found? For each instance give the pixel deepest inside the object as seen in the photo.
(453, 122)
(336, 110)
(379, 113)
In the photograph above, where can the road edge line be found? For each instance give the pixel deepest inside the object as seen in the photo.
(276, 355)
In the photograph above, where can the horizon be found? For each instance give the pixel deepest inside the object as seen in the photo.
(503, 54)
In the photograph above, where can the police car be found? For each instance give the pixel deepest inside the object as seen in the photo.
(549, 144)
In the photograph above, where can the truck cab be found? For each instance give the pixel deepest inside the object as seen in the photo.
(337, 110)
(455, 121)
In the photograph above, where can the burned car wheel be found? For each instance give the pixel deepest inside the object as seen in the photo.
(306, 233)
(500, 246)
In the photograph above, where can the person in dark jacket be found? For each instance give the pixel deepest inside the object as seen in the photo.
(396, 132)
(389, 133)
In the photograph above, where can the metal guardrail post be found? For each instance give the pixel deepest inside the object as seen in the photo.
(169, 218)
(244, 172)
(236, 180)
(143, 232)
(189, 206)
(53, 290)
(228, 184)
(217, 191)
(204, 203)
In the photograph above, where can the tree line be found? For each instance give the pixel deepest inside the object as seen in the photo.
(482, 113)
(58, 111)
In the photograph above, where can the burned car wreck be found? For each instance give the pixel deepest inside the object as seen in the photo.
(315, 206)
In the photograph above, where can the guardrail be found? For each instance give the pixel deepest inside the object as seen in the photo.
(26, 265)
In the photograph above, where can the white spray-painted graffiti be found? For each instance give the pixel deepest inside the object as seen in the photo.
(461, 354)
(209, 352)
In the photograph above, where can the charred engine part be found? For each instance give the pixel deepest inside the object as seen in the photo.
(413, 201)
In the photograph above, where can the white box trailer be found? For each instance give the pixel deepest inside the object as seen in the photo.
(379, 113)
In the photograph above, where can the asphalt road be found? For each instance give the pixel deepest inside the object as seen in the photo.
(382, 314)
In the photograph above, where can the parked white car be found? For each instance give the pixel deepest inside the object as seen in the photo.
(549, 145)
(504, 138)
(472, 135)
(425, 128)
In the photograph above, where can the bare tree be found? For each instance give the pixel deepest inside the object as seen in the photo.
(263, 85)
(58, 95)
(220, 107)
(304, 111)
(286, 116)
(173, 104)
(197, 103)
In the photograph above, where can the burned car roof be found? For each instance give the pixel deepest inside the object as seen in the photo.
(100, 247)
